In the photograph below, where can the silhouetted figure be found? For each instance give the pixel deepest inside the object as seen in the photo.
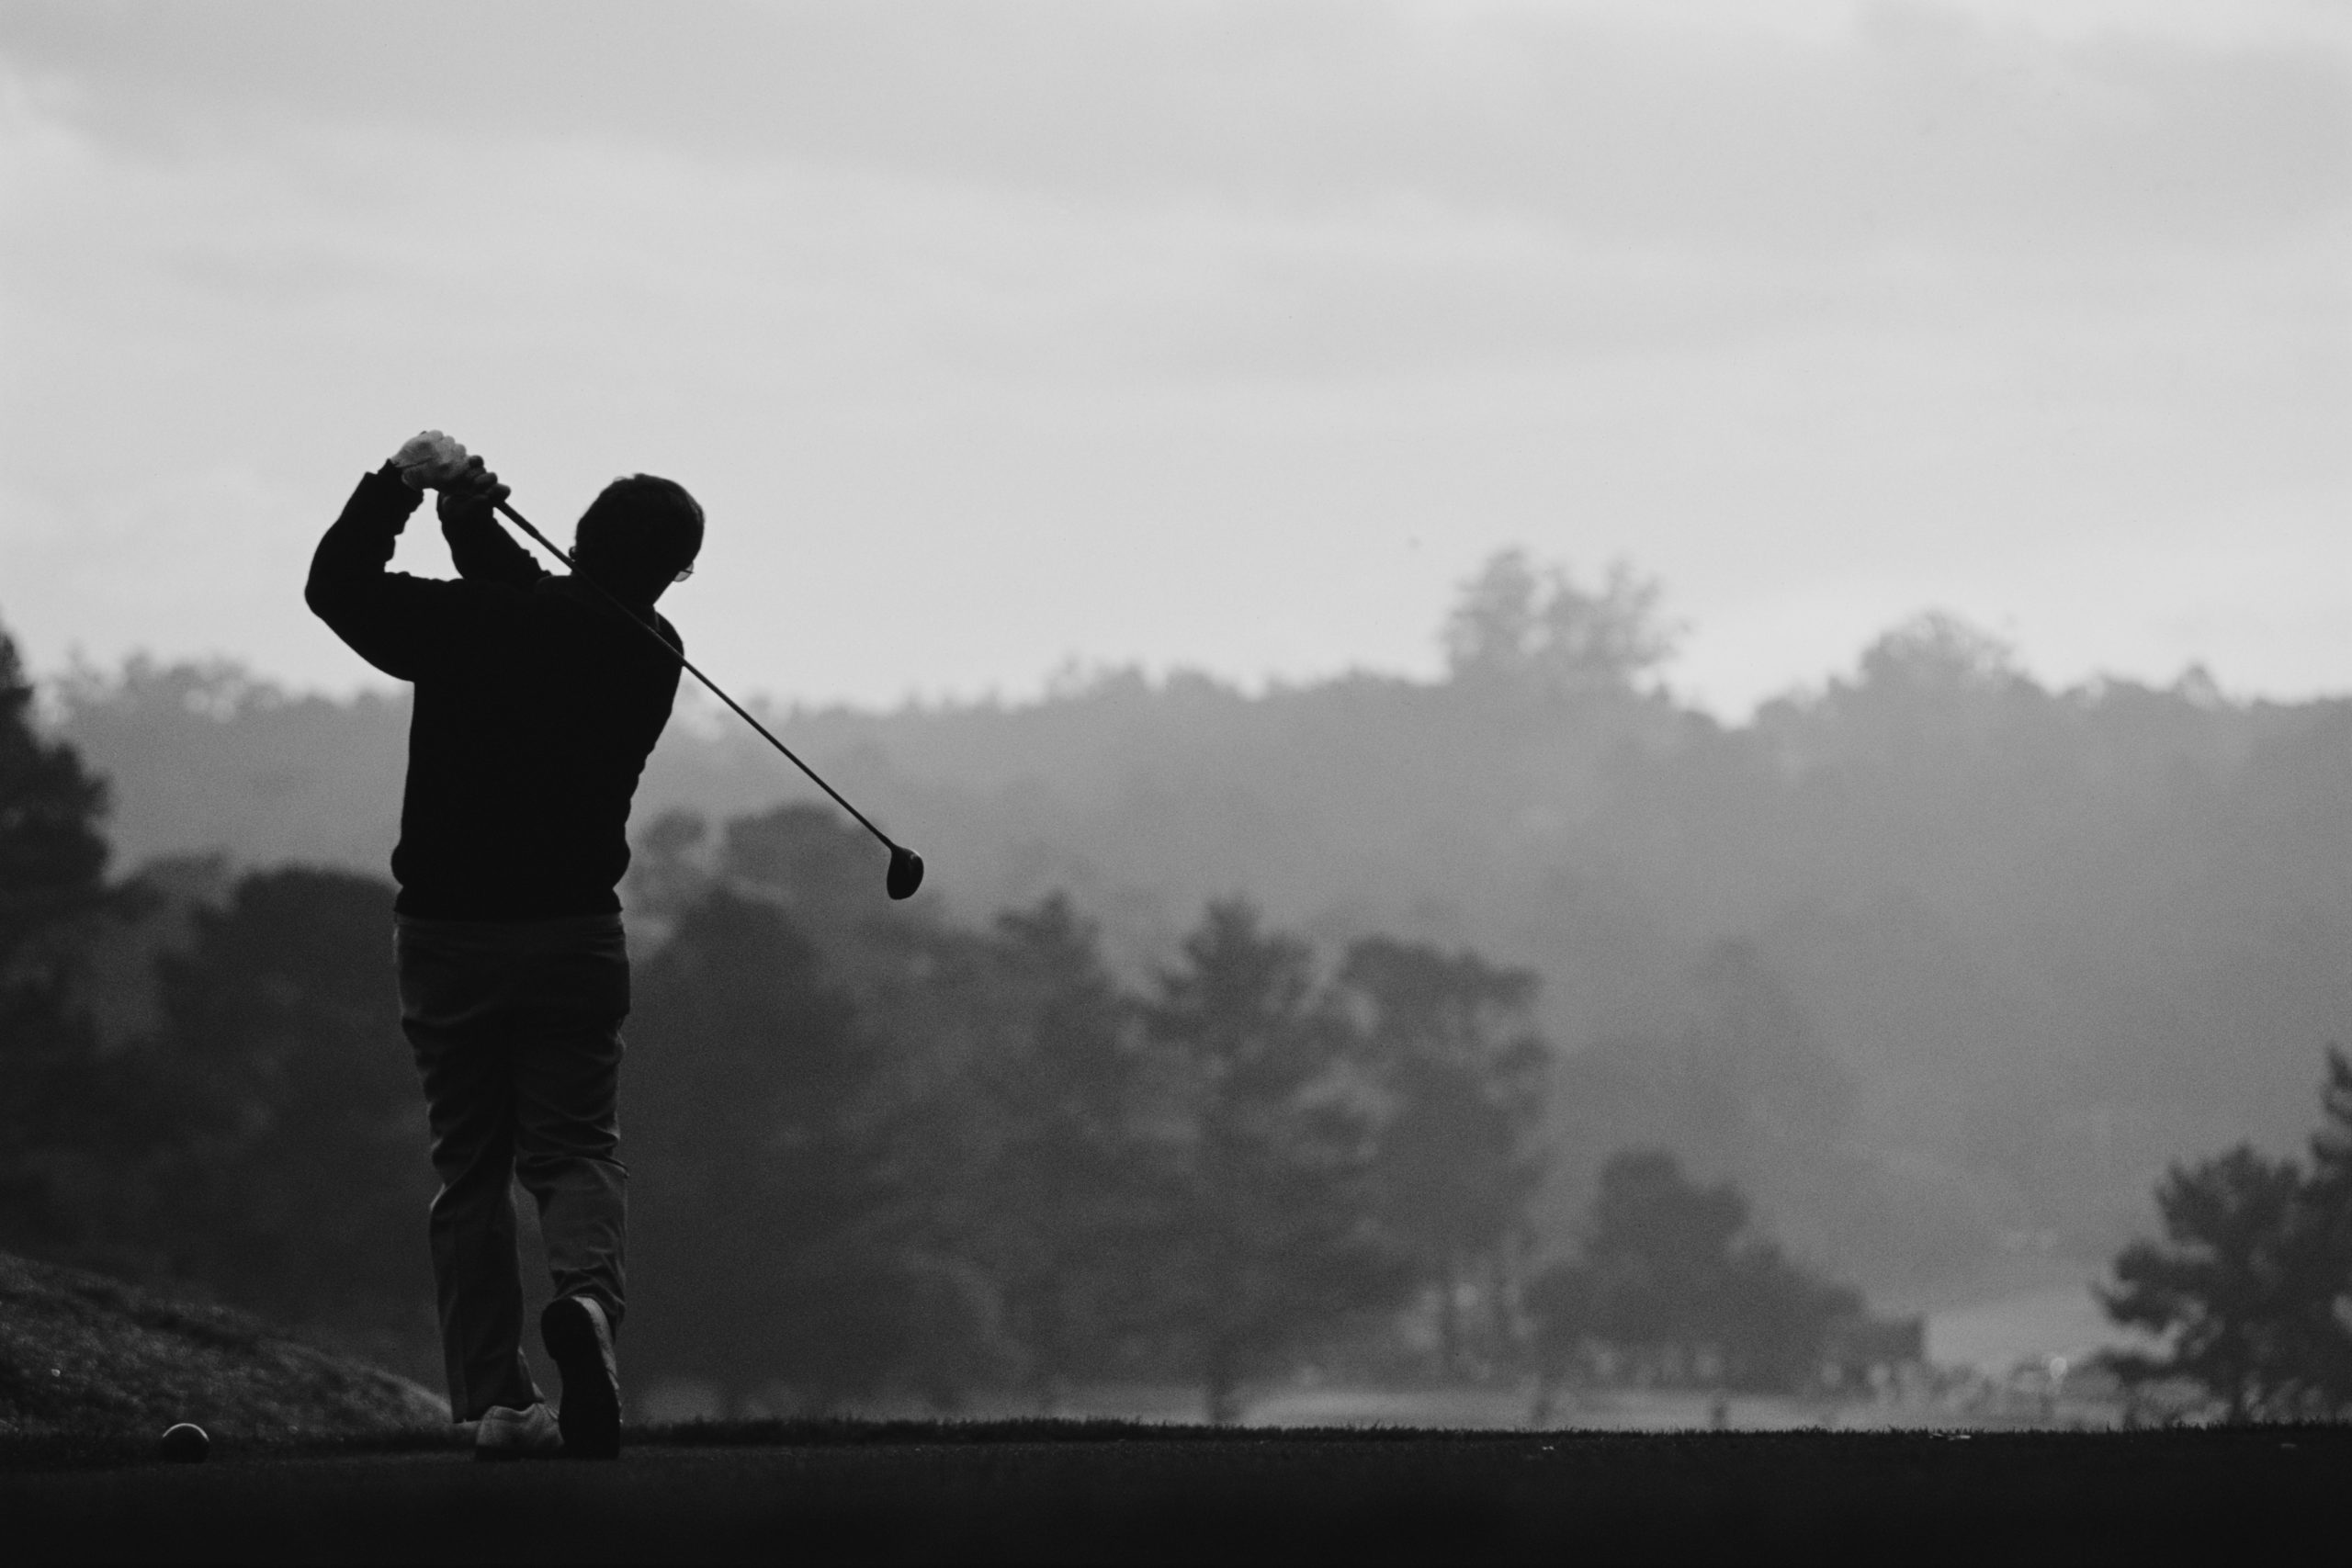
(537, 705)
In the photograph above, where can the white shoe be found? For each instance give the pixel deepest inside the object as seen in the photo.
(506, 1432)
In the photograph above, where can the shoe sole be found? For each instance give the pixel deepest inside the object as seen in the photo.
(591, 1413)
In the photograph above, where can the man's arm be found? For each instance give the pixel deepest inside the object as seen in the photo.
(483, 551)
(401, 625)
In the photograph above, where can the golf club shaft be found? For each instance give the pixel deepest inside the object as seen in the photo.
(646, 626)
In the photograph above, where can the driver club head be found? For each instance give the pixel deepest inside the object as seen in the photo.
(906, 872)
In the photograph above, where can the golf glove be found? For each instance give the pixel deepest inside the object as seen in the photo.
(429, 460)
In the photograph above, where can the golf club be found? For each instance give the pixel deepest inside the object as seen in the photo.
(906, 866)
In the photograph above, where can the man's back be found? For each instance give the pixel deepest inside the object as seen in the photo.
(537, 705)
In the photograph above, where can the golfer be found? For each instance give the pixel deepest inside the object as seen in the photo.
(537, 703)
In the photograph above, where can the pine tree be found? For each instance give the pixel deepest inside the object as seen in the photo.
(53, 855)
(765, 1198)
(2221, 1286)
(2250, 1288)
(297, 1158)
(2329, 1224)
(1053, 1207)
(1670, 1278)
(59, 1163)
(1267, 1234)
(1462, 1073)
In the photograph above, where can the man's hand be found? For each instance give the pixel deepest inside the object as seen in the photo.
(472, 489)
(429, 459)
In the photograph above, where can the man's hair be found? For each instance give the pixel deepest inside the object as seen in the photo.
(643, 530)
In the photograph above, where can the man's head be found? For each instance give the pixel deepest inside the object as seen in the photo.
(638, 537)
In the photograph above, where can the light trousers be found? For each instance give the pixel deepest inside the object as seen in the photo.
(515, 1026)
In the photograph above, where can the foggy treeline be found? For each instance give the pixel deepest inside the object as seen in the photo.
(1940, 963)
(878, 1151)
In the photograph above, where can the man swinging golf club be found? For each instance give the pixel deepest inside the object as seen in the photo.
(537, 700)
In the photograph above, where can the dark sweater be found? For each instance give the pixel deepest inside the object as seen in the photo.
(537, 705)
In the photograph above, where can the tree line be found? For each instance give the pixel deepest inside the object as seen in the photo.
(874, 1149)
(2032, 941)
(878, 1149)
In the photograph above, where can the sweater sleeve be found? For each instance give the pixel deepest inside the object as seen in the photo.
(403, 625)
(484, 552)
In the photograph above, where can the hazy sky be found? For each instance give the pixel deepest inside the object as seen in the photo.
(1221, 336)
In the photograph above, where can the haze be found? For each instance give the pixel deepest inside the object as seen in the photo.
(1221, 337)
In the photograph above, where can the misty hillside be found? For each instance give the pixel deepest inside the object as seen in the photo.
(1947, 964)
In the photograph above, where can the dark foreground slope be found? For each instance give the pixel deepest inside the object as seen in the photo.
(87, 1360)
(1036, 1494)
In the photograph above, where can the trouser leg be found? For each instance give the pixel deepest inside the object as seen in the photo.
(568, 1157)
(476, 1274)
(516, 1032)
(567, 1080)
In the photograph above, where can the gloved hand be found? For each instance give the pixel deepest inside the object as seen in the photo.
(428, 460)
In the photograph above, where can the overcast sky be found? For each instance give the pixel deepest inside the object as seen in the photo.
(1228, 337)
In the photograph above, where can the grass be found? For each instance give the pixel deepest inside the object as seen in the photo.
(322, 1459)
(89, 1360)
(1092, 1491)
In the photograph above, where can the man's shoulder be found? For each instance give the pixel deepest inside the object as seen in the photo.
(580, 605)
(669, 633)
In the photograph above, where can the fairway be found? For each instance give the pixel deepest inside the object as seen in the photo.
(1089, 1492)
